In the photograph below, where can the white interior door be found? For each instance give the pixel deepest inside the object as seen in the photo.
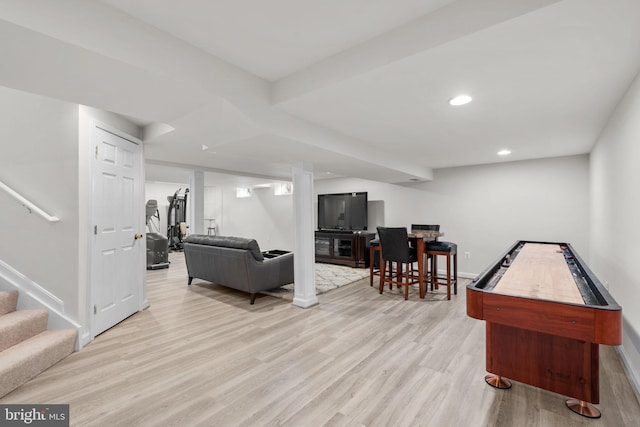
(118, 249)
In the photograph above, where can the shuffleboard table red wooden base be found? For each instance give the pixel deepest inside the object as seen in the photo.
(546, 315)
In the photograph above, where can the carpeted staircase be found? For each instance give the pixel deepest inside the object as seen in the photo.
(26, 346)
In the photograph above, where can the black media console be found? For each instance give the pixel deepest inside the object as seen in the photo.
(343, 247)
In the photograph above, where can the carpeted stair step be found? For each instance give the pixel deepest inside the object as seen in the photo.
(8, 302)
(23, 361)
(20, 325)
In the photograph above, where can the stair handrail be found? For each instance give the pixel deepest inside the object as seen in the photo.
(31, 207)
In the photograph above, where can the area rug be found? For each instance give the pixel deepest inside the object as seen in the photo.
(328, 277)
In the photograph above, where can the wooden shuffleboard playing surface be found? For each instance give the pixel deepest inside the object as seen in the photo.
(540, 271)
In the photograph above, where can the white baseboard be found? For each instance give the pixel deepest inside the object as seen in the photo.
(305, 303)
(83, 340)
(33, 296)
(460, 274)
(468, 275)
(629, 353)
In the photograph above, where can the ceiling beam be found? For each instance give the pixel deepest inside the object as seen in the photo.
(91, 64)
(451, 22)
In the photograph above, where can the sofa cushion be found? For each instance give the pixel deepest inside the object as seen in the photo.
(228, 242)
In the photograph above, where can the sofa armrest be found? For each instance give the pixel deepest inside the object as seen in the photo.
(271, 272)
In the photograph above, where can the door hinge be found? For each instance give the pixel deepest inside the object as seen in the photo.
(97, 151)
(95, 309)
(95, 229)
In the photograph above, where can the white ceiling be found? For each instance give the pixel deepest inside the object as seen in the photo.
(356, 87)
(275, 38)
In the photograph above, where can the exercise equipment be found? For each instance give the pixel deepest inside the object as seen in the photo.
(153, 216)
(177, 219)
(157, 244)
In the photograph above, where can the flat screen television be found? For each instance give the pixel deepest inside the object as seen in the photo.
(344, 211)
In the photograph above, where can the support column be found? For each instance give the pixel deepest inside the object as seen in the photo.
(196, 203)
(304, 257)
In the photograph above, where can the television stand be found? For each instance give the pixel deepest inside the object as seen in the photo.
(343, 247)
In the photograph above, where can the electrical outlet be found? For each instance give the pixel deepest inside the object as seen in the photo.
(467, 255)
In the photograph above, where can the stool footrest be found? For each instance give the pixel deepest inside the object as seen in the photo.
(451, 277)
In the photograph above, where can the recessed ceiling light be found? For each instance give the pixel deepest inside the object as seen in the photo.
(460, 100)
(504, 152)
(205, 147)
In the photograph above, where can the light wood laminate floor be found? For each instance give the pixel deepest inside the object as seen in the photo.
(202, 356)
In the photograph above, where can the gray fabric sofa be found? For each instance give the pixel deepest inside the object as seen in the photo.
(237, 263)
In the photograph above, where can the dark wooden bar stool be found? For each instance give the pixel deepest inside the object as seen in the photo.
(374, 255)
(394, 247)
(375, 260)
(450, 250)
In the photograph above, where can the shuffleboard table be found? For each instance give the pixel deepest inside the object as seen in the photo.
(546, 315)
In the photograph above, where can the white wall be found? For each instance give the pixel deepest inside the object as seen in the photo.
(263, 216)
(486, 208)
(615, 227)
(213, 207)
(39, 140)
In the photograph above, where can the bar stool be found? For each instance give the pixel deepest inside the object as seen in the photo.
(212, 229)
(450, 250)
(374, 261)
(374, 255)
(394, 247)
